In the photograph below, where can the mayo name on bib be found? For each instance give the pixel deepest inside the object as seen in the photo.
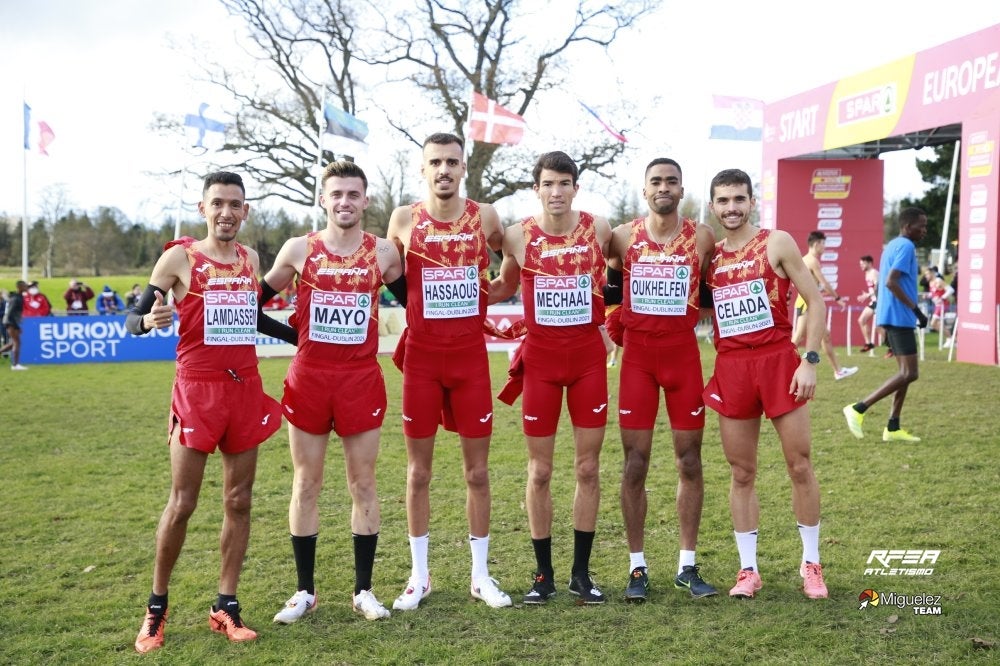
(339, 318)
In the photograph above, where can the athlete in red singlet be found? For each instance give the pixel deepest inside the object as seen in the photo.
(868, 297)
(218, 400)
(446, 373)
(558, 257)
(758, 371)
(662, 257)
(335, 381)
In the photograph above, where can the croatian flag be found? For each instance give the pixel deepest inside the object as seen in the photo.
(491, 123)
(344, 133)
(737, 118)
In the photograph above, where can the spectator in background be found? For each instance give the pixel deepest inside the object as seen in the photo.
(3, 311)
(132, 300)
(36, 304)
(109, 302)
(77, 297)
(12, 322)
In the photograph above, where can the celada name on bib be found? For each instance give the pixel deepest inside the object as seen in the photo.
(742, 308)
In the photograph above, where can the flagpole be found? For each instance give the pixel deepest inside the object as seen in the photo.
(320, 122)
(24, 216)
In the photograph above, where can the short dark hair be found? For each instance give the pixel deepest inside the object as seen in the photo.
(223, 178)
(815, 237)
(868, 258)
(664, 160)
(344, 169)
(443, 139)
(909, 216)
(730, 177)
(557, 161)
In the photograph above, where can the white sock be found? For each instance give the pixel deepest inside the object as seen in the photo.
(418, 557)
(746, 544)
(636, 560)
(810, 543)
(686, 559)
(480, 547)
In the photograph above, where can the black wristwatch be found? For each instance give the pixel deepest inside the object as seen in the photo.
(812, 357)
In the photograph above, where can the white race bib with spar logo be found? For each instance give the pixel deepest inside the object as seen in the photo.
(659, 290)
(339, 318)
(230, 317)
(742, 308)
(563, 300)
(450, 293)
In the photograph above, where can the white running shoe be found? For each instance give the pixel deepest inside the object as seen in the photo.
(366, 604)
(412, 595)
(18, 367)
(844, 372)
(490, 592)
(301, 603)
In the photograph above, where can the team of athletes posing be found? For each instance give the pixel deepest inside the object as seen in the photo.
(662, 268)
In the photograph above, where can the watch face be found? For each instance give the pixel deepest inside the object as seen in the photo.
(812, 357)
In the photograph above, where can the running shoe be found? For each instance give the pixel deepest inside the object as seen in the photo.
(541, 590)
(689, 579)
(638, 585)
(898, 436)
(585, 589)
(747, 583)
(412, 595)
(224, 622)
(854, 421)
(151, 635)
(889, 354)
(868, 347)
(366, 604)
(301, 603)
(812, 580)
(18, 367)
(489, 591)
(844, 372)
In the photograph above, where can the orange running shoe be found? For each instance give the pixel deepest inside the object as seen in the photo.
(222, 622)
(812, 580)
(151, 635)
(747, 583)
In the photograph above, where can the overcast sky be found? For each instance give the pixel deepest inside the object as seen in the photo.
(97, 70)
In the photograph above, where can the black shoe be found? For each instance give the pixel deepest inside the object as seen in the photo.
(867, 348)
(541, 590)
(689, 579)
(638, 585)
(586, 590)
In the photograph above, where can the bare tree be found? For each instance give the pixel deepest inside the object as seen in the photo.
(461, 47)
(441, 49)
(55, 204)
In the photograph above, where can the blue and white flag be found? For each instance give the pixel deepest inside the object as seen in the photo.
(202, 125)
(344, 134)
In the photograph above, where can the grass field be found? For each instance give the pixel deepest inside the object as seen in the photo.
(84, 475)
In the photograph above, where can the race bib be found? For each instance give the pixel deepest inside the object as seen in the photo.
(230, 317)
(450, 293)
(339, 318)
(742, 308)
(563, 300)
(660, 290)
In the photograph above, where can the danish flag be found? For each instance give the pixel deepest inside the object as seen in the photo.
(491, 123)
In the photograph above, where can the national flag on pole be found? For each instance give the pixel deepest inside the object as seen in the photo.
(45, 137)
(617, 135)
(203, 124)
(27, 127)
(491, 123)
(737, 118)
(344, 133)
